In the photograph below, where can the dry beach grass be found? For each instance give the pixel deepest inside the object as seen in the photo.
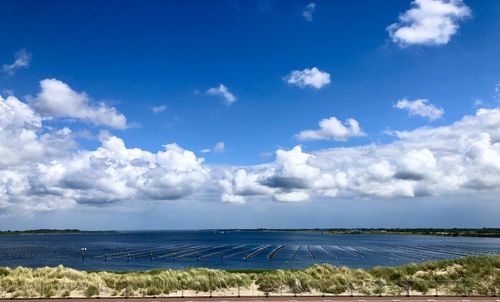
(479, 275)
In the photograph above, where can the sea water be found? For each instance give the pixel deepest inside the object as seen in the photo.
(140, 250)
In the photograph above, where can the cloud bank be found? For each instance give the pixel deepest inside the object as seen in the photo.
(461, 157)
(43, 168)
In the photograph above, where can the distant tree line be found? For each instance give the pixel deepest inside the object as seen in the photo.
(48, 231)
(454, 232)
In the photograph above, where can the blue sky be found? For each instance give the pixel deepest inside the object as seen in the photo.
(385, 65)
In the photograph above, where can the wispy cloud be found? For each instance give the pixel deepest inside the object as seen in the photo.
(222, 91)
(421, 108)
(22, 59)
(478, 103)
(308, 11)
(332, 129)
(219, 147)
(428, 22)
(312, 77)
(159, 108)
(264, 7)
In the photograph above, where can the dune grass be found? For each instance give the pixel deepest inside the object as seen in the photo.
(464, 276)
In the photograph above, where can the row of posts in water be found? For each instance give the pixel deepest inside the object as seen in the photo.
(151, 256)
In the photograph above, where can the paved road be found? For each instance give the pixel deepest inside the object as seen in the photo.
(275, 299)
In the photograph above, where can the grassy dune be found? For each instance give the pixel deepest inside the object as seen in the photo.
(465, 276)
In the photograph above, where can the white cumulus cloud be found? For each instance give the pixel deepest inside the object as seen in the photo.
(312, 77)
(114, 172)
(463, 157)
(332, 128)
(43, 168)
(22, 59)
(428, 22)
(57, 100)
(421, 108)
(223, 91)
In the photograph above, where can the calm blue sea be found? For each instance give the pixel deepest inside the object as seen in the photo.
(141, 250)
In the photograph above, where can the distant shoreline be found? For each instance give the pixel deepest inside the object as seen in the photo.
(50, 231)
(451, 232)
(446, 232)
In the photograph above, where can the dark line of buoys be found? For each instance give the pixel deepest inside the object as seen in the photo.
(224, 249)
(295, 253)
(242, 251)
(310, 252)
(192, 251)
(328, 252)
(260, 249)
(273, 252)
(161, 253)
(176, 250)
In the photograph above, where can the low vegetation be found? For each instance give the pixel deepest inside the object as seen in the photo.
(465, 276)
(453, 232)
(449, 232)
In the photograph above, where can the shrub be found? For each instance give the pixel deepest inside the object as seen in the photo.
(91, 291)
